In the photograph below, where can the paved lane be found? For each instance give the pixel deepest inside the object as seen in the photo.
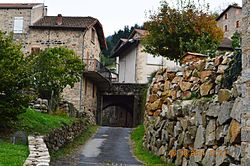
(109, 146)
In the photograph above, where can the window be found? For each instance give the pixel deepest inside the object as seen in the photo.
(35, 50)
(18, 25)
(225, 28)
(93, 35)
(237, 24)
(226, 16)
(151, 60)
(93, 91)
(86, 86)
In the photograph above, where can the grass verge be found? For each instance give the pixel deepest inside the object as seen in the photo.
(13, 155)
(142, 154)
(78, 141)
(32, 121)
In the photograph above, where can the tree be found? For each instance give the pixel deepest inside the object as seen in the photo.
(54, 69)
(173, 31)
(236, 39)
(14, 80)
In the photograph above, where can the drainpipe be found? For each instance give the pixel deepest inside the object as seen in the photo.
(81, 81)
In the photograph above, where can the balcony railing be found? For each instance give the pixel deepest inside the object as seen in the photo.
(96, 66)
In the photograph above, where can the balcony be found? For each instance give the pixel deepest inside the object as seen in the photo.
(98, 73)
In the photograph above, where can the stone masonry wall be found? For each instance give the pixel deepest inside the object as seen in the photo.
(39, 154)
(190, 119)
(62, 136)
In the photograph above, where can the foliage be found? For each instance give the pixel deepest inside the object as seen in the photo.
(13, 155)
(13, 80)
(32, 121)
(78, 141)
(173, 31)
(236, 39)
(112, 41)
(54, 69)
(143, 155)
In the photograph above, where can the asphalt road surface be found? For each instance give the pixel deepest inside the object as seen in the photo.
(109, 146)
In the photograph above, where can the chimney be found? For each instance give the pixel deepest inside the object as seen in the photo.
(59, 19)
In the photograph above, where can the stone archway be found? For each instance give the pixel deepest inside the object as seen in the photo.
(117, 115)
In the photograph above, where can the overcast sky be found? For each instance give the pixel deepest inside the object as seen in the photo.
(113, 14)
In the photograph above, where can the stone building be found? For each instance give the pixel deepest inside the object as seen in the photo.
(84, 35)
(230, 22)
(17, 18)
(133, 64)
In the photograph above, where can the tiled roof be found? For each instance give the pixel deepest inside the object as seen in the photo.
(67, 22)
(229, 7)
(226, 43)
(18, 5)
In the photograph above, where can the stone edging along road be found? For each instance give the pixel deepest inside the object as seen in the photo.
(39, 153)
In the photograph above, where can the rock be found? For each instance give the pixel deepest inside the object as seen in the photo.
(233, 135)
(187, 139)
(221, 157)
(213, 110)
(170, 113)
(199, 138)
(245, 134)
(238, 109)
(174, 94)
(166, 85)
(224, 95)
(192, 130)
(200, 65)
(176, 80)
(210, 132)
(184, 123)
(221, 69)
(221, 132)
(155, 88)
(219, 79)
(177, 129)
(224, 113)
(218, 60)
(198, 155)
(225, 61)
(205, 88)
(153, 98)
(159, 78)
(234, 152)
(186, 95)
(179, 156)
(187, 74)
(164, 110)
(195, 87)
(156, 105)
(157, 112)
(161, 151)
(185, 85)
(169, 126)
(209, 159)
(205, 74)
(194, 80)
(171, 75)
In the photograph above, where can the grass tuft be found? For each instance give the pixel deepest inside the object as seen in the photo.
(142, 154)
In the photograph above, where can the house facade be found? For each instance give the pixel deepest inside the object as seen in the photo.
(84, 35)
(230, 20)
(133, 64)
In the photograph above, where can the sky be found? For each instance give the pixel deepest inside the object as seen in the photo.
(113, 14)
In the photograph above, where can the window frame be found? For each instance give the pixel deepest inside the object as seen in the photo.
(18, 21)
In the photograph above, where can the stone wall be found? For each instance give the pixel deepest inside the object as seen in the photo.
(190, 119)
(62, 136)
(39, 154)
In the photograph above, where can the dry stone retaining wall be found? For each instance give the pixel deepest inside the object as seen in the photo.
(39, 154)
(190, 120)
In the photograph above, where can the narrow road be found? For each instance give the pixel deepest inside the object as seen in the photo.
(109, 146)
